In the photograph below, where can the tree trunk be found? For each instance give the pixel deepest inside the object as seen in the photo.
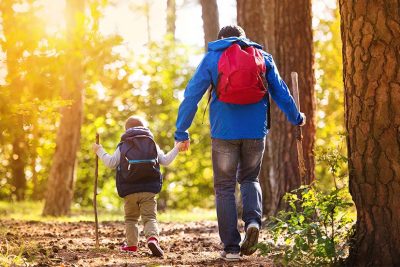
(292, 31)
(19, 159)
(36, 193)
(210, 18)
(251, 15)
(61, 179)
(171, 17)
(370, 35)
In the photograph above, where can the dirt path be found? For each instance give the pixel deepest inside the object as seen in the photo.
(72, 244)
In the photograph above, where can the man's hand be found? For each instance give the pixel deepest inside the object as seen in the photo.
(96, 147)
(183, 145)
(304, 119)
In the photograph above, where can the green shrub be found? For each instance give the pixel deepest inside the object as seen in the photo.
(315, 227)
(313, 230)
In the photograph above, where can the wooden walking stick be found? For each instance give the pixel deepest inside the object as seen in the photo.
(299, 135)
(96, 174)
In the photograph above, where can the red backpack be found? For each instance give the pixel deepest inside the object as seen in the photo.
(241, 75)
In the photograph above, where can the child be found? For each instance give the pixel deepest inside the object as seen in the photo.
(138, 180)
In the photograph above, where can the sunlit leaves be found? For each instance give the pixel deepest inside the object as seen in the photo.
(329, 86)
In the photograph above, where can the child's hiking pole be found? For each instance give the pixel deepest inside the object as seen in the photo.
(299, 135)
(96, 173)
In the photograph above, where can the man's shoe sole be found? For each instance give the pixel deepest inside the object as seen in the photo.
(155, 250)
(251, 239)
(230, 259)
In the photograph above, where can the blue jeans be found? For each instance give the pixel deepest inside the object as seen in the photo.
(236, 160)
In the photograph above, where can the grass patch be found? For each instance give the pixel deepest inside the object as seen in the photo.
(14, 250)
(194, 215)
(32, 211)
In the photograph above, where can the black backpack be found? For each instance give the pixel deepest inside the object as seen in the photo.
(138, 170)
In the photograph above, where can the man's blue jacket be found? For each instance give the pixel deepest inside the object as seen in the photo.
(232, 121)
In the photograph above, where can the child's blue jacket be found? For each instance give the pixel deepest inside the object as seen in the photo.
(232, 121)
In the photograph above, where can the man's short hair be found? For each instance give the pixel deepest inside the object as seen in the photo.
(231, 31)
(134, 121)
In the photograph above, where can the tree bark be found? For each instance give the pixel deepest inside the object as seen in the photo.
(292, 31)
(18, 160)
(371, 68)
(61, 179)
(171, 17)
(210, 18)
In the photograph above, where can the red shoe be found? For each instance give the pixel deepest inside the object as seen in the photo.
(155, 248)
(129, 249)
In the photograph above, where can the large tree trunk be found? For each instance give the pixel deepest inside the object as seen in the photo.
(61, 179)
(210, 20)
(294, 52)
(371, 41)
(171, 17)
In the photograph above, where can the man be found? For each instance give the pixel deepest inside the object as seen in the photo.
(237, 130)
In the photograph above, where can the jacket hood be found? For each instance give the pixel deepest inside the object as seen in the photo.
(222, 44)
(134, 131)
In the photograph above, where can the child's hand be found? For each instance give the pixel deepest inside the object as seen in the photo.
(96, 147)
(181, 146)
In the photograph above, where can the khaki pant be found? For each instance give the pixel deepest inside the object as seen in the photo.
(140, 204)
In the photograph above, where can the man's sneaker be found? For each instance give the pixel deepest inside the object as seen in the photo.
(129, 249)
(250, 240)
(155, 248)
(230, 256)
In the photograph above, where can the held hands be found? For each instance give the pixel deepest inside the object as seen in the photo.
(182, 145)
(96, 147)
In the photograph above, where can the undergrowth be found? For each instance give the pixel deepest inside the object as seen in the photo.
(316, 225)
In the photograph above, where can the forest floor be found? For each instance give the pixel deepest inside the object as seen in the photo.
(34, 243)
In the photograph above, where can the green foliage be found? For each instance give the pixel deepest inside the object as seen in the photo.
(316, 227)
(335, 164)
(313, 231)
(35, 64)
(27, 108)
(117, 84)
(329, 86)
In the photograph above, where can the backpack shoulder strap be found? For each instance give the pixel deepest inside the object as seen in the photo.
(212, 88)
(208, 101)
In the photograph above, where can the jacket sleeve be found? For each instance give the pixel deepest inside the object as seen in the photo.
(280, 92)
(194, 91)
(166, 159)
(111, 161)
